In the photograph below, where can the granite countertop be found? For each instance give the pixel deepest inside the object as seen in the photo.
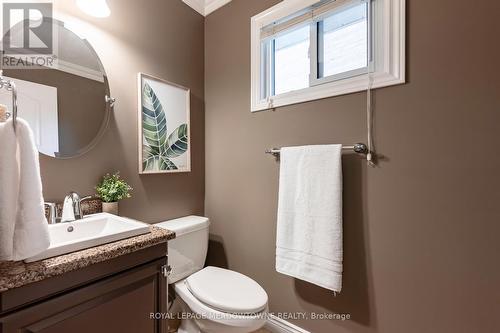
(17, 274)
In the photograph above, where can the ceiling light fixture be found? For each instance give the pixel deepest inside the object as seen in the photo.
(96, 8)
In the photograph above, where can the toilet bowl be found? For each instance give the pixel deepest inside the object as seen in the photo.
(212, 299)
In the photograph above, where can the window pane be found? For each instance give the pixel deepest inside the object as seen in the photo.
(342, 41)
(291, 61)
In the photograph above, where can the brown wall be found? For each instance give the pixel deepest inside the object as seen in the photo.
(164, 39)
(421, 230)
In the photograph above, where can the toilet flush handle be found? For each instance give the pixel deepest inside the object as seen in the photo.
(165, 270)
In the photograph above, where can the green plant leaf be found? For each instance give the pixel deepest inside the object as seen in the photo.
(154, 123)
(177, 143)
(158, 163)
(148, 152)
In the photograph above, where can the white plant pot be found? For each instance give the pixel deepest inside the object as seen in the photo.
(110, 207)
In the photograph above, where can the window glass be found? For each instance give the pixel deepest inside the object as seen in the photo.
(342, 41)
(291, 60)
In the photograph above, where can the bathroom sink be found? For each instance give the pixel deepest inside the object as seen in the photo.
(93, 230)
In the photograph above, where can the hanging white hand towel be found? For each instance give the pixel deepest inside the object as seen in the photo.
(9, 189)
(31, 233)
(21, 195)
(309, 237)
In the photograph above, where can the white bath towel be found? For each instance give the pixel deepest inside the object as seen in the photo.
(309, 235)
(22, 199)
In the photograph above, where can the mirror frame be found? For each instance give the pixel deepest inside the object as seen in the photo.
(109, 101)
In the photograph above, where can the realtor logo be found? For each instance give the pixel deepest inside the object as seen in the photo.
(28, 34)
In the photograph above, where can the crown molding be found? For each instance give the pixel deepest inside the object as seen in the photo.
(205, 7)
(198, 5)
(213, 5)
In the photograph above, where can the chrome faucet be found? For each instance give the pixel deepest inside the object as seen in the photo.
(72, 208)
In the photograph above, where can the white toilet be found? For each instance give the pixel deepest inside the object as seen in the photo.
(213, 300)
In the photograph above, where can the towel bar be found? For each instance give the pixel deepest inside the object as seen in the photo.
(359, 148)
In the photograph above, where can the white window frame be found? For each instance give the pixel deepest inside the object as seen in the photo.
(389, 54)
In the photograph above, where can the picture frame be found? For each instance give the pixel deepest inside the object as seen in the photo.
(163, 126)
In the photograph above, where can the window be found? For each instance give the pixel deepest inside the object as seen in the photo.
(309, 49)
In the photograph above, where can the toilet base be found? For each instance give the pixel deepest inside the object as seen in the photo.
(188, 326)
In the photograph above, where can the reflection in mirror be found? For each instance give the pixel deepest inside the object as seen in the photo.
(65, 104)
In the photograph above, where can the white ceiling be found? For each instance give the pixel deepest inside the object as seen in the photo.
(205, 7)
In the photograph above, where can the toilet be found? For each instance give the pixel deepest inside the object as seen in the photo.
(212, 299)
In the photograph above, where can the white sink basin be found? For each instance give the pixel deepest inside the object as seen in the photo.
(91, 231)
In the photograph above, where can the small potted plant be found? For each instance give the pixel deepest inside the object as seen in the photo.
(110, 190)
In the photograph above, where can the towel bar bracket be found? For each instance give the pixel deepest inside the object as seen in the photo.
(11, 87)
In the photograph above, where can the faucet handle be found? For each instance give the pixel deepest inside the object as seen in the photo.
(52, 218)
(88, 197)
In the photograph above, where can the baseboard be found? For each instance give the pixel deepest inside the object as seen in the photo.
(278, 325)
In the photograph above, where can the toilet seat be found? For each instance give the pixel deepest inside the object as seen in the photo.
(227, 291)
(250, 321)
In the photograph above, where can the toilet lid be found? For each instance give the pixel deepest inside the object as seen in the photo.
(227, 291)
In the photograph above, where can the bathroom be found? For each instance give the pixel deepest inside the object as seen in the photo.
(419, 220)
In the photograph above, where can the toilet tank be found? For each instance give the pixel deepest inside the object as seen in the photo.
(188, 251)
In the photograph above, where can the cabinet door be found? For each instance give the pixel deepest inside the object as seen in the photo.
(120, 304)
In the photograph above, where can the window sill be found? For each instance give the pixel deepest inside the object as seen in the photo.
(336, 88)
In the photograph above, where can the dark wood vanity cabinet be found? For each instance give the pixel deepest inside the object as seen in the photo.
(124, 302)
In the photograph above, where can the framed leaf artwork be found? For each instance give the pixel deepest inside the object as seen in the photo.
(164, 119)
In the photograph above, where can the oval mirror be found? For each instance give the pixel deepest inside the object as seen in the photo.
(66, 103)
